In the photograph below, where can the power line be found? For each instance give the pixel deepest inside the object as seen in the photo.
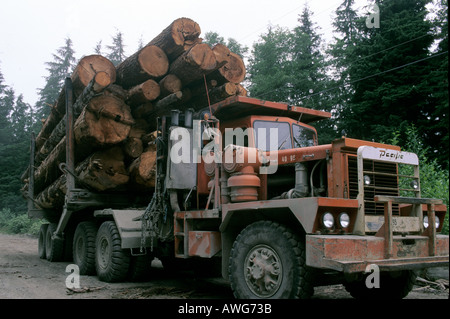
(376, 74)
(363, 78)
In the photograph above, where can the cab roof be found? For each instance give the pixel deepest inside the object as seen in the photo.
(240, 106)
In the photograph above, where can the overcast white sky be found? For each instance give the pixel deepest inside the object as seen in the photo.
(31, 31)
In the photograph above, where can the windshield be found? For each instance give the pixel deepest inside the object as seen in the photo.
(303, 137)
(277, 134)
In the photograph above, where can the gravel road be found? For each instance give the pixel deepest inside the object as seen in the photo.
(23, 275)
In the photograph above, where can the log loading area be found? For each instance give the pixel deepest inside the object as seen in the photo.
(97, 146)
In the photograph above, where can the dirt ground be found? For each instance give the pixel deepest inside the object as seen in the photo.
(23, 275)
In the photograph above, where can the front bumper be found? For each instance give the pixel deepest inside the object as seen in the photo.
(351, 254)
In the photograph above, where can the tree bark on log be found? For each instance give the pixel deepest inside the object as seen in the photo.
(215, 94)
(99, 82)
(102, 171)
(53, 196)
(106, 120)
(143, 93)
(193, 64)
(148, 63)
(178, 37)
(143, 170)
(85, 70)
(49, 170)
(170, 84)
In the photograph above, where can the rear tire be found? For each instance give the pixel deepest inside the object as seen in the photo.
(53, 247)
(41, 241)
(140, 268)
(268, 261)
(84, 247)
(111, 261)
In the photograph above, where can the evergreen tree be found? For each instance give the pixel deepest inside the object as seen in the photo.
(268, 67)
(436, 84)
(141, 44)
(6, 105)
(21, 119)
(98, 48)
(13, 151)
(62, 65)
(117, 50)
(309, 71)
(385, 76)
(341, 52)
(213, 38)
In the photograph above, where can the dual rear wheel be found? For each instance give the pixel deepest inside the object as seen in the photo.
(96, 250)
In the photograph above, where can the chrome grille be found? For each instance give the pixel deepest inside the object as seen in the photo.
(384, 181)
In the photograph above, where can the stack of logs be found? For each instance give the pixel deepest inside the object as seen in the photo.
(115, 111)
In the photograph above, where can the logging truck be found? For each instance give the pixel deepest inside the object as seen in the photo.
(242, 186)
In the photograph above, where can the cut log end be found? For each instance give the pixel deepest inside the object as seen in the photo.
(91, 65)
(102, 80)
(234, 70)
(153, 61)
(185, 29)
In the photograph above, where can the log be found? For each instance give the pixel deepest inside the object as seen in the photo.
(85, 70)
(170, 84)
(106, 120)
(143, 170)
(142, 111)
(233, 71)
(241, 91)
(133, 147)
(222, 53)
(99, 82)
(104, 170)
(148, 63)
(178, 37)
(194, 64)
(143, 93)
(53, 196)
(215, 94)
(88, 67)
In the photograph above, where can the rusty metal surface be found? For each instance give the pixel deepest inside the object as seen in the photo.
(240, 106)
(352, 253)
(204, 243)
(304, 209)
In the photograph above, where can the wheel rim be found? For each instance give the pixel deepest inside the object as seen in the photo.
(104, 253)
(263, 271)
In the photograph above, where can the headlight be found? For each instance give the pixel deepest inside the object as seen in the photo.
(344, 220)
(426, 223)
(367, 180)
(328, 220)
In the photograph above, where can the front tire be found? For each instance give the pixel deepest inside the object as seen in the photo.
(395, 285)
(111, 261)
(267, 260)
